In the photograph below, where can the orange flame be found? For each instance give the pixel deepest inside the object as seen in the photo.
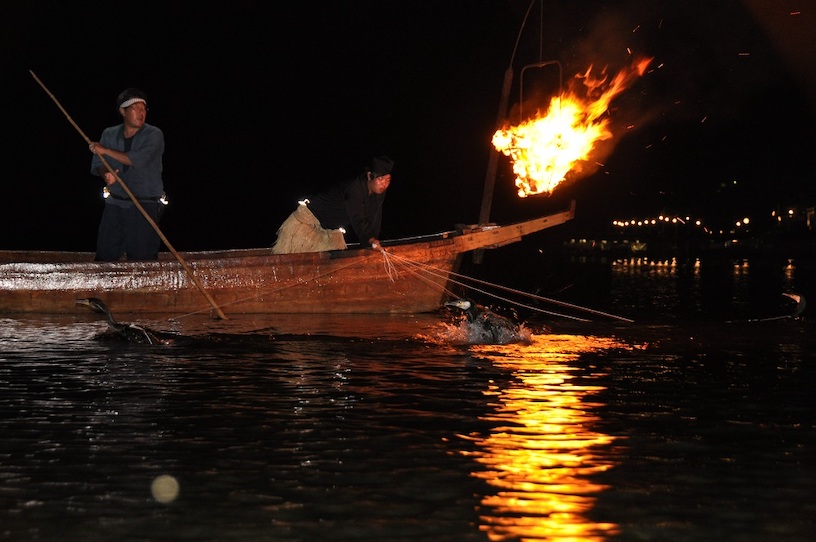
(544, 149)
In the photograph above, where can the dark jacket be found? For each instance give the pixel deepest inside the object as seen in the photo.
(350, 204)
(144, 177)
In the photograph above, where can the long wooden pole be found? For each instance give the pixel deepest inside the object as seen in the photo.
(493, 161)
(136, 202)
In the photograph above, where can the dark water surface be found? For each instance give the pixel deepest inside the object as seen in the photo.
(695, 422)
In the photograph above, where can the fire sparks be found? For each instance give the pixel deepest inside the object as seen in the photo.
(547, 147)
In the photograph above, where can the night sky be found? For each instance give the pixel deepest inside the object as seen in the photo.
(262, 104)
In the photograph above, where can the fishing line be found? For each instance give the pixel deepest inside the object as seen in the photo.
(444, 275)
(390, 269)
(548, 300)
(404, 263)
(519, 292)
(441, 274)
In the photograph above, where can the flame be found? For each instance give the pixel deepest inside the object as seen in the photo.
(545, 148)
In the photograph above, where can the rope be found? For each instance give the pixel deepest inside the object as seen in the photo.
(405, 266)
(550, 300)
(446, 275)
(393, 264)
(441, 273)
(390, 268)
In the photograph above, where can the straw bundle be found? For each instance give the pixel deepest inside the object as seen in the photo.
(302, 232)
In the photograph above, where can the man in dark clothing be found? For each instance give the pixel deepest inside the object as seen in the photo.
(134, 150)
(319, 222)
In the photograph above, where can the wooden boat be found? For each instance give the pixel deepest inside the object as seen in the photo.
(410, 277)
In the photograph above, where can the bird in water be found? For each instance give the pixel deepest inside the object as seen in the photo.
(130, 332)
(800, 305)
(485, 326)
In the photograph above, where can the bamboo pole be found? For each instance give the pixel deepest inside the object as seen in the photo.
(150, 220)
(493, 162)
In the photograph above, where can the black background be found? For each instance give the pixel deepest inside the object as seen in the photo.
(264, 103)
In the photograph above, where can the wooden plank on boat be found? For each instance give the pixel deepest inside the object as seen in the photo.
(503, 235)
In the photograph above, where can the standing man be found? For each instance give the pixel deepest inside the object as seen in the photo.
(134, 149)
(319, 223)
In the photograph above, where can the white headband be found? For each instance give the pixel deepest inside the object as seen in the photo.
(128, 103)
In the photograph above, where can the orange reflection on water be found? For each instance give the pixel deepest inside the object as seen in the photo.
(542, 454)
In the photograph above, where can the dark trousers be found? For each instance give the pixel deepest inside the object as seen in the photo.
(124, 231)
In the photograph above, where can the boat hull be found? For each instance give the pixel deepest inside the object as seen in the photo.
(410, 277)
(357, 282)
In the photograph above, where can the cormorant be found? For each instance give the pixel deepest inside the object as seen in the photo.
(487, 326)
(129, 332)
(800, 305)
